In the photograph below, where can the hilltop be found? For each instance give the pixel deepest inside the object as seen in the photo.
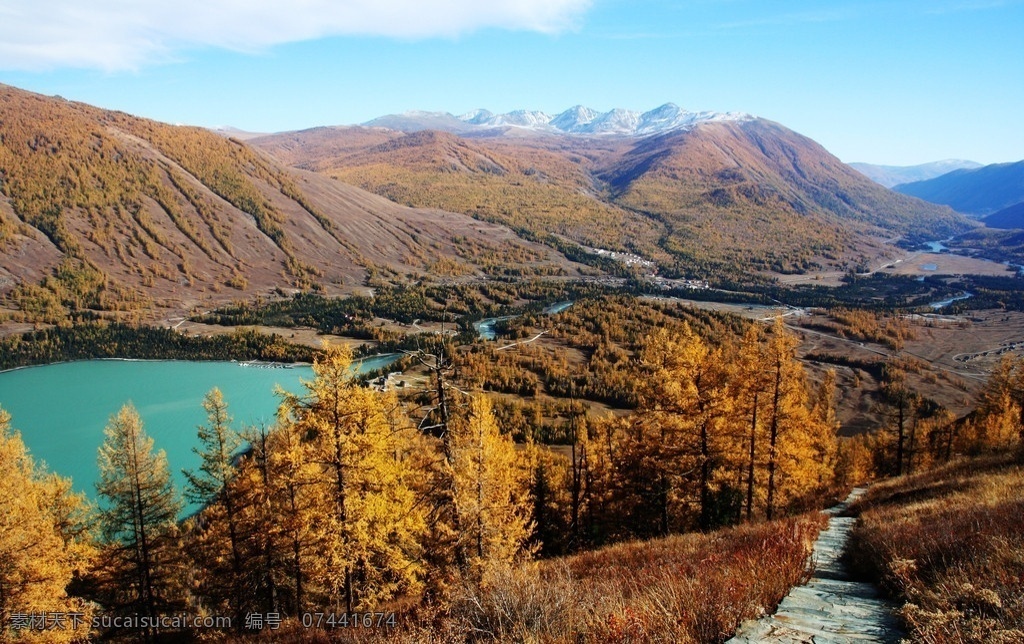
(1012, 217)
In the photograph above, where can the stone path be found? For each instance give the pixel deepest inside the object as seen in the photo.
(830, 608)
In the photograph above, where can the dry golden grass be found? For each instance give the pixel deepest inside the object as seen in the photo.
(684, 588)
(950, 544)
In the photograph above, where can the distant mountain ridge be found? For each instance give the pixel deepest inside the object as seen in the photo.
(1011, 218)
(893, 175)
(978, 192)
(577, 120)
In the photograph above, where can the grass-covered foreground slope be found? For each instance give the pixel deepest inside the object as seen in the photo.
(681, 589)
(949, 543)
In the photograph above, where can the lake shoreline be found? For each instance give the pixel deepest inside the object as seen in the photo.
(270, 364)
(50, 364)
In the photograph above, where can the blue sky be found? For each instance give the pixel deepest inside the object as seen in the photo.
(895, 82)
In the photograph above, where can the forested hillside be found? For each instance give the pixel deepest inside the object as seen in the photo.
(1012, 217)
(425, 516)
(105, 211)
(759, 195)
(358, 501)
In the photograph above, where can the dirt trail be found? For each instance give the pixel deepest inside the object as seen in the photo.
(830, 608)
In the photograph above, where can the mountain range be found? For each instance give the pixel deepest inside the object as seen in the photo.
(697, 193)
(980, 191)
(893, 175)
(577, 120)
(104, 211)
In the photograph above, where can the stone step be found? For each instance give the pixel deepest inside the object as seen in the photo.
(830, 608)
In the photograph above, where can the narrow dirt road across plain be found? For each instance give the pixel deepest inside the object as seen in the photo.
(830, 608)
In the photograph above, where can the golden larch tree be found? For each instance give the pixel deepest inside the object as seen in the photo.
(359, 442)
(141, 570)
(750, 382)
(801, 445)
(685, 396)
(492, 487)
(220, 555)
(286, 479)
(581, 478)
(999, 419)
(44, 544)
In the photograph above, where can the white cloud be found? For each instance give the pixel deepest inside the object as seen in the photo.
(127, 34)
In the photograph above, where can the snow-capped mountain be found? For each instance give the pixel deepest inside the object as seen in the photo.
(617, 121)
(577, 120)
(573, 118)
(519, 118)
(476, 117)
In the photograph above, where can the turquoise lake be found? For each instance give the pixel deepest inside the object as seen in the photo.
(62, 409)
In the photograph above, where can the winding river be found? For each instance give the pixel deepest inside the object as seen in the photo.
(485, 327)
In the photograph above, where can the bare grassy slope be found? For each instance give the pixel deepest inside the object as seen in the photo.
(693, 588)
